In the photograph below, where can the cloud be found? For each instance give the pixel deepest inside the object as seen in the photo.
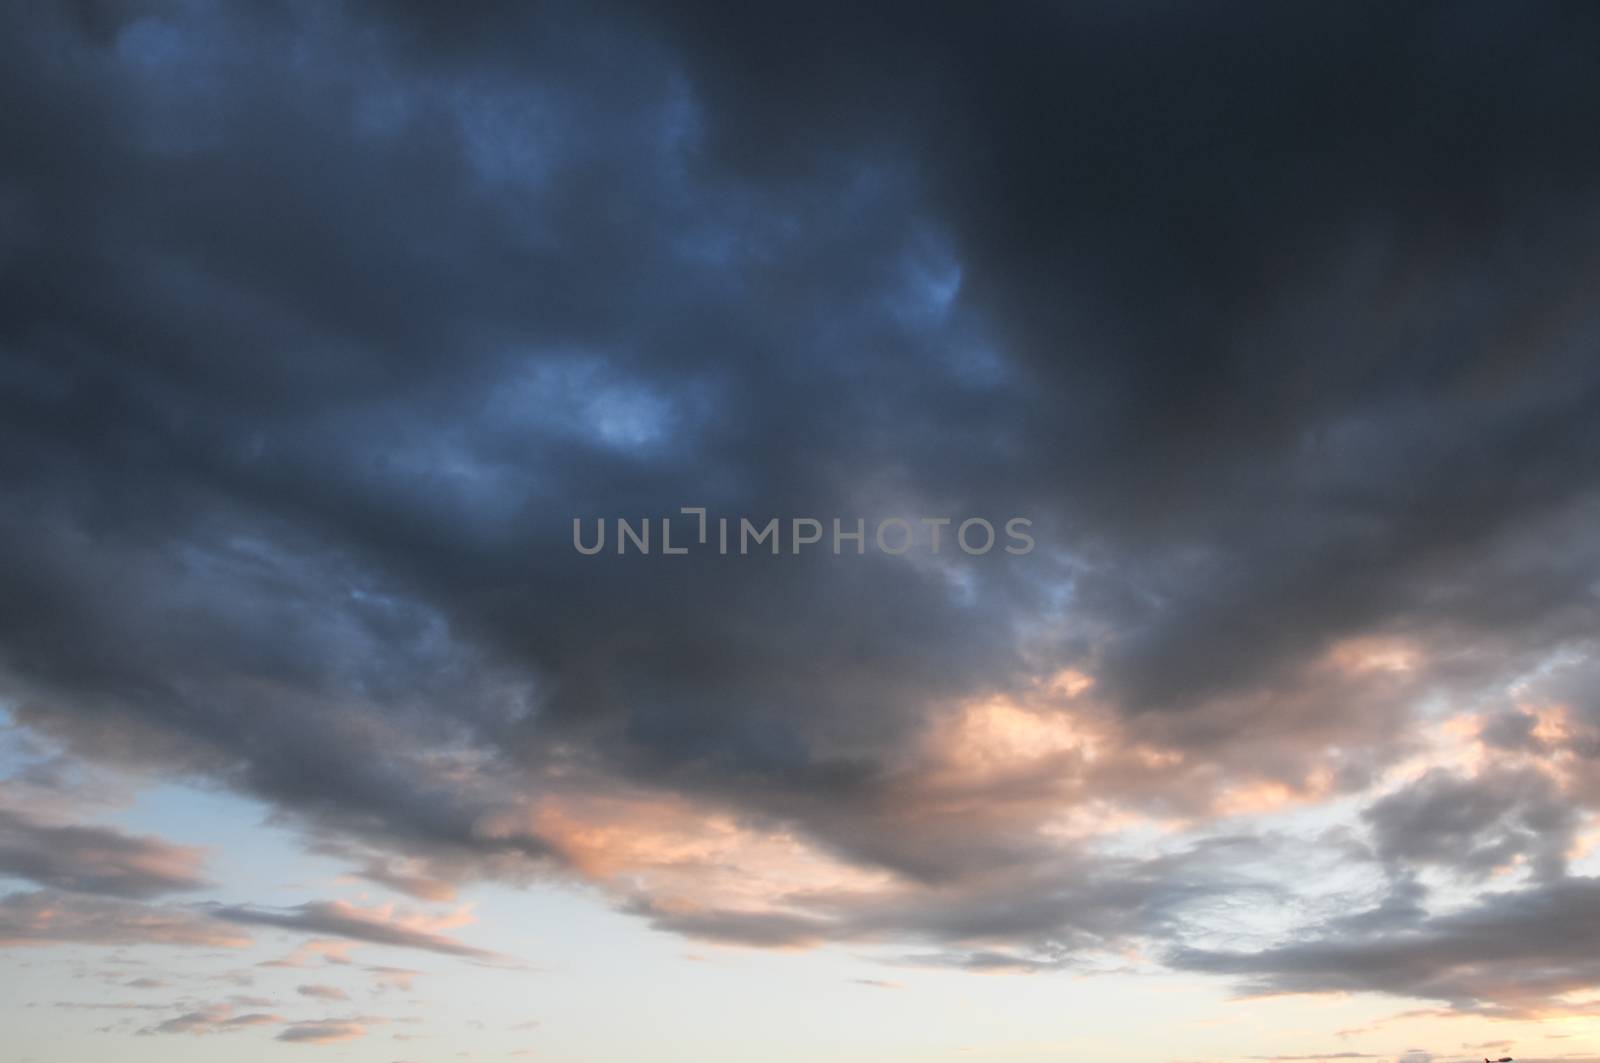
(45, 917)
(1476, 825)
(322, 992)
(333, 952)
(399, 978)
(759, 929)
(377, 926)
(212, 1019)
(96, 859)
(421, 887)
(1513, 953)
(322, 1033)
(1299, 401)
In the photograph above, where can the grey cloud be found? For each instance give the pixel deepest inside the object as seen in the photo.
(1476, 825)
(340, 920)
(95, 859)
(757, 929)
(44, 917)
(327, 1032)
(982, 962)
(1069, 913)
(1513, 953)
(214, 1018)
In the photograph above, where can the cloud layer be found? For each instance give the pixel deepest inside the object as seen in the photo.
(321, 327)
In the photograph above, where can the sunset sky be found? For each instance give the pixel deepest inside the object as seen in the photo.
(1276, 324)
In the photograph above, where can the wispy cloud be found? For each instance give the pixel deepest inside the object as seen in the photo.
(46, 917)
(322, 1033)
(377, 926)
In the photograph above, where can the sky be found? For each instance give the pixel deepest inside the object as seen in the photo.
(1259, 336)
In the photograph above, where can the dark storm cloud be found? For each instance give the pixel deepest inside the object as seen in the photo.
(1229, 250)
(320, 325)
(334, 507)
